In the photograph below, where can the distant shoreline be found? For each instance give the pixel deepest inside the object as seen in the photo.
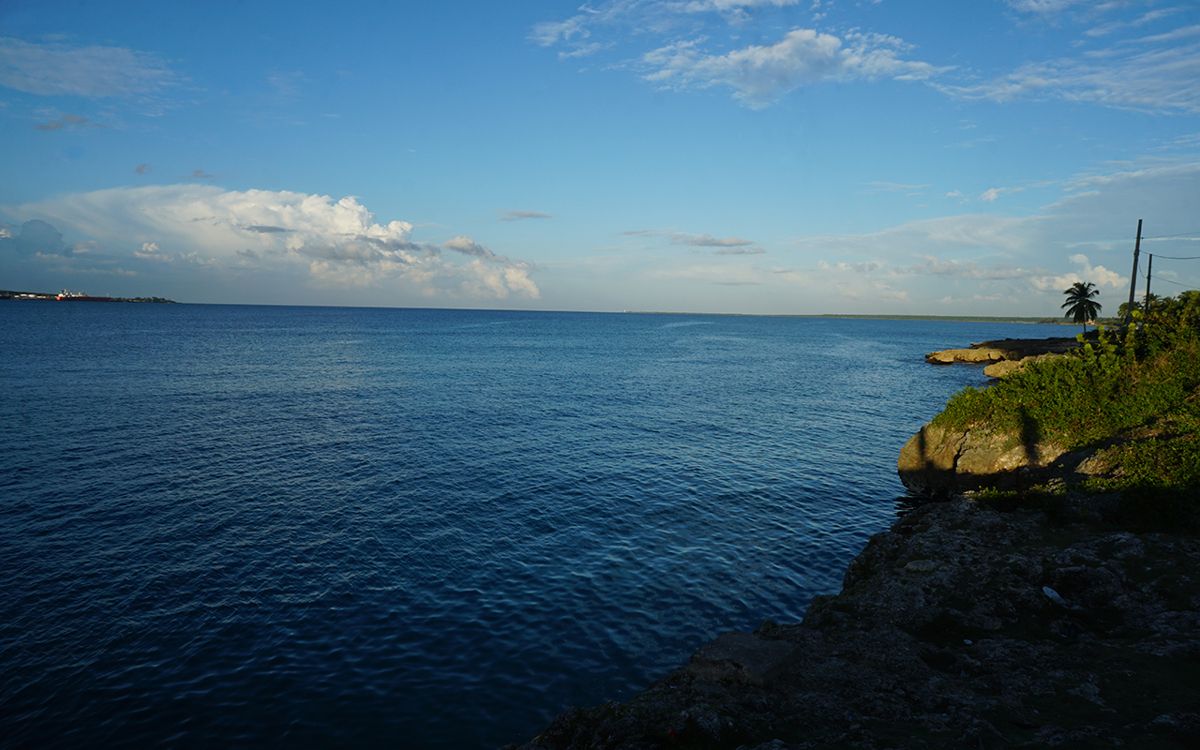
(1025, 320)
(8, 294)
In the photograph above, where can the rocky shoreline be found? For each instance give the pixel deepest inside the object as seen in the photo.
(1003, 357)
(970, 623)
(964, 625)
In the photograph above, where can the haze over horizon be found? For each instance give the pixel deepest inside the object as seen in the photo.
(735, 156)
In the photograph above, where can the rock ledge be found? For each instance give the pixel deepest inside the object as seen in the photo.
(962, 626)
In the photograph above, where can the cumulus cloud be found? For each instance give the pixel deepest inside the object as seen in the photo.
(468, 246)
(151, 251)
(335, 242)
(760, 74)
(57, 69)
(33, 237)
(1098, 275)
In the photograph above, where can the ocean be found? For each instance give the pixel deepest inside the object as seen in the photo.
(247, 525)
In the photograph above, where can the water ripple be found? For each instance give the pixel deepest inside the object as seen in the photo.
(240, 525)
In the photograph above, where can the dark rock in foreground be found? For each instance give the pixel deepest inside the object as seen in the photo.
(964, 626)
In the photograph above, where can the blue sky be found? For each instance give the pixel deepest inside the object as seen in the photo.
(755, 156)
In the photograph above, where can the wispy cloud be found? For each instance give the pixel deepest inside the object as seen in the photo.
(883, 186)
(1112, 27)
(61, 69)
(724, 245)
(66, 122)
(523, 215)
(1043, 7)
(1153, 75)
(707, 240)
(575, 31)
(993, 194)
(760, 74)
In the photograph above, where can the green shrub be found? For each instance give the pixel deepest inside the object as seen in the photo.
(1147, 377)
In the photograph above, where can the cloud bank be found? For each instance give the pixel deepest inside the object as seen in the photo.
(331, 243)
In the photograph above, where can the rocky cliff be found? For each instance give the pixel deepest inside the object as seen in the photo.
(1004, 352)
(1028, 620)
(964, 626)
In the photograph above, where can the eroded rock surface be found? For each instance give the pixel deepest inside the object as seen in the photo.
(939, 461)
(962, 627)
(1008, 367)
(1003, 350)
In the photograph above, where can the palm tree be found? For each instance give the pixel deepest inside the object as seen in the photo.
(1080, 306)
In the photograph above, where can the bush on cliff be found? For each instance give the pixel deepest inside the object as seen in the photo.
(1145, 381)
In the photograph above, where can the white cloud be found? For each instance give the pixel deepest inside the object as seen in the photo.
(336, 242)
(725, 6)
(151, 251)
(1098, 275)
(548, 33)
(1149, 17)
(639, 14)
(1043, 7)
(737, 11)
(1151, 76)
(759, 74)
(56, 68)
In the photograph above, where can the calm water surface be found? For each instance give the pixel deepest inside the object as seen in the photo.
(315, 526)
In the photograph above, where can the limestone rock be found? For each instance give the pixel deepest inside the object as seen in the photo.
(1007, 367)
(1004, 368)
(1002, 350)
(972, 356)
(941, 461)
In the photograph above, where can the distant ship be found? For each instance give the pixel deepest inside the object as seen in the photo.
(69, 296)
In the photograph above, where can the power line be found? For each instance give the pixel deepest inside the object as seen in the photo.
(1169, 236)
(1176, 283)
(1172, 257)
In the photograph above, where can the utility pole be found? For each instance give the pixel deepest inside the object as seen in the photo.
(1137, 247)
(1149, 269)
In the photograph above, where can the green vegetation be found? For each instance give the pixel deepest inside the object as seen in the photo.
(1133, 396)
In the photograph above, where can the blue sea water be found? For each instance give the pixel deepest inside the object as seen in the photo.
(230, 525)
